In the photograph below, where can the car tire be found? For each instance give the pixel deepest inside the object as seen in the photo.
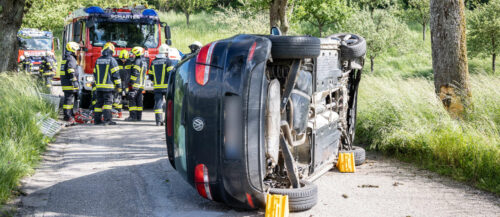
(359, 154)
(351, 49)
(299, 199)
(294, 47)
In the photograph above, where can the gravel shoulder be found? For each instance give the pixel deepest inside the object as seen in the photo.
(123, 171)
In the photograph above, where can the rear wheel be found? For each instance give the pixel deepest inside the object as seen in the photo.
(299, 199)
(294, 47)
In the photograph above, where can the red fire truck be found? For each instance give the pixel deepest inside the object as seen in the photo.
(33, 45)
(92, 27)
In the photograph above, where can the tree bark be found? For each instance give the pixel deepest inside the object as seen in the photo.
(187, 18)
(423, 30)
(493, 58)
(372, 62)
(277, 15)
(320, 27)
(11, 18)
(449, 55)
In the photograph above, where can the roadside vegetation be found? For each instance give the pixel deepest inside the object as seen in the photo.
(21, 141)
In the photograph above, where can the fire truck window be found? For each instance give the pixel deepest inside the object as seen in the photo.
(124, 34)
(77, 31)
(35, 43)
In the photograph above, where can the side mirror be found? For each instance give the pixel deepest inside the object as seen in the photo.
(58, 44)
(275, 31)
(169, 42)
(168, 36)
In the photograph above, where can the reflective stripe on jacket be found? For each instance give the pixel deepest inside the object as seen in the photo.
(106, 75)
(159, 73)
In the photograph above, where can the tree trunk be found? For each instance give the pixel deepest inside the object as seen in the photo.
(423, 30)
(277, 15)
(320, 28)
(372, 59)
(493, 58)
(187, 18)
(449, 55)
(11, 17)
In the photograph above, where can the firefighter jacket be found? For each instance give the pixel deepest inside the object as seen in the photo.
(27, 64)
(125, 68)
(106, 73)
(69, 76)
(159, 73)
(138, 73)
(48, 66)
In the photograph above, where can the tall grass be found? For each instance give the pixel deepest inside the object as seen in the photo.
(21, 141)
(403, 117)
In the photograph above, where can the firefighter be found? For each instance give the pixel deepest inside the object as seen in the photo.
(26, 63)
(195, 47)
(124, 64)
(137, 80)
(159, 74)
(69, 80)
(48, 68)
(107, 79)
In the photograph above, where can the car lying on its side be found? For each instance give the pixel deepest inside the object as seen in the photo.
(257, 114)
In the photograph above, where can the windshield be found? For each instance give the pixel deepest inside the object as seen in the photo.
(35, 43)
(124, 34)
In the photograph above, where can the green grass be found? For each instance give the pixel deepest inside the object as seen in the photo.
(404, 118)
(21, 141)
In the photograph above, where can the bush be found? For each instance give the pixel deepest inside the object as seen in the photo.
(404, 118)
(21, 141)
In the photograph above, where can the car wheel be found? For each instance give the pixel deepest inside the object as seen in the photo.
(359, 154)
(294, 47)
(351, 46)
(299, 199)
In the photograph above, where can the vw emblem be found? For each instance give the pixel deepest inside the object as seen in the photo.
(198, 124)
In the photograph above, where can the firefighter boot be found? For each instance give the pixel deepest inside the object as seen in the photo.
(98, 118)
(159, 119)
(138, 115)
(132, 116)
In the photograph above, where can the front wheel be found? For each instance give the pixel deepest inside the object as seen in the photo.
(299, 199)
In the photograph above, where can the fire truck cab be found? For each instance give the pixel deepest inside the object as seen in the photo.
(33, 45)
(126, 28)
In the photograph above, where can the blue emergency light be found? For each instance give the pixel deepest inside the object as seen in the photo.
(94, 10)
(149, 12)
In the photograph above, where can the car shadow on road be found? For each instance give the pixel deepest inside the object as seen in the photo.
(150, 189)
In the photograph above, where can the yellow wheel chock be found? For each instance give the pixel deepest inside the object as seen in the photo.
(276, 205)
(345, 163)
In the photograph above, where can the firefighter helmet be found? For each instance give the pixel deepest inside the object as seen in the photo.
(123, 54)
(72, 46)
(195, 46)
(22, 58)
(163, 49)
(138, 51)
(109, 46)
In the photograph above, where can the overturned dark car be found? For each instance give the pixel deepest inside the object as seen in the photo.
(257, 114)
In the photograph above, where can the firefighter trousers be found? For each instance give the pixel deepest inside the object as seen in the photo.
(158, 108)
(48, 80)
(117, 101)
(135, 104)
(103, 106)
(69, 104)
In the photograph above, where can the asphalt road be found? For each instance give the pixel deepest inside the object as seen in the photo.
(123, 171)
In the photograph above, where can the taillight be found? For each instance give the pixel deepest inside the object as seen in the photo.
(203, 63)
(170, 118)
(251, 52)
(201, 181)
